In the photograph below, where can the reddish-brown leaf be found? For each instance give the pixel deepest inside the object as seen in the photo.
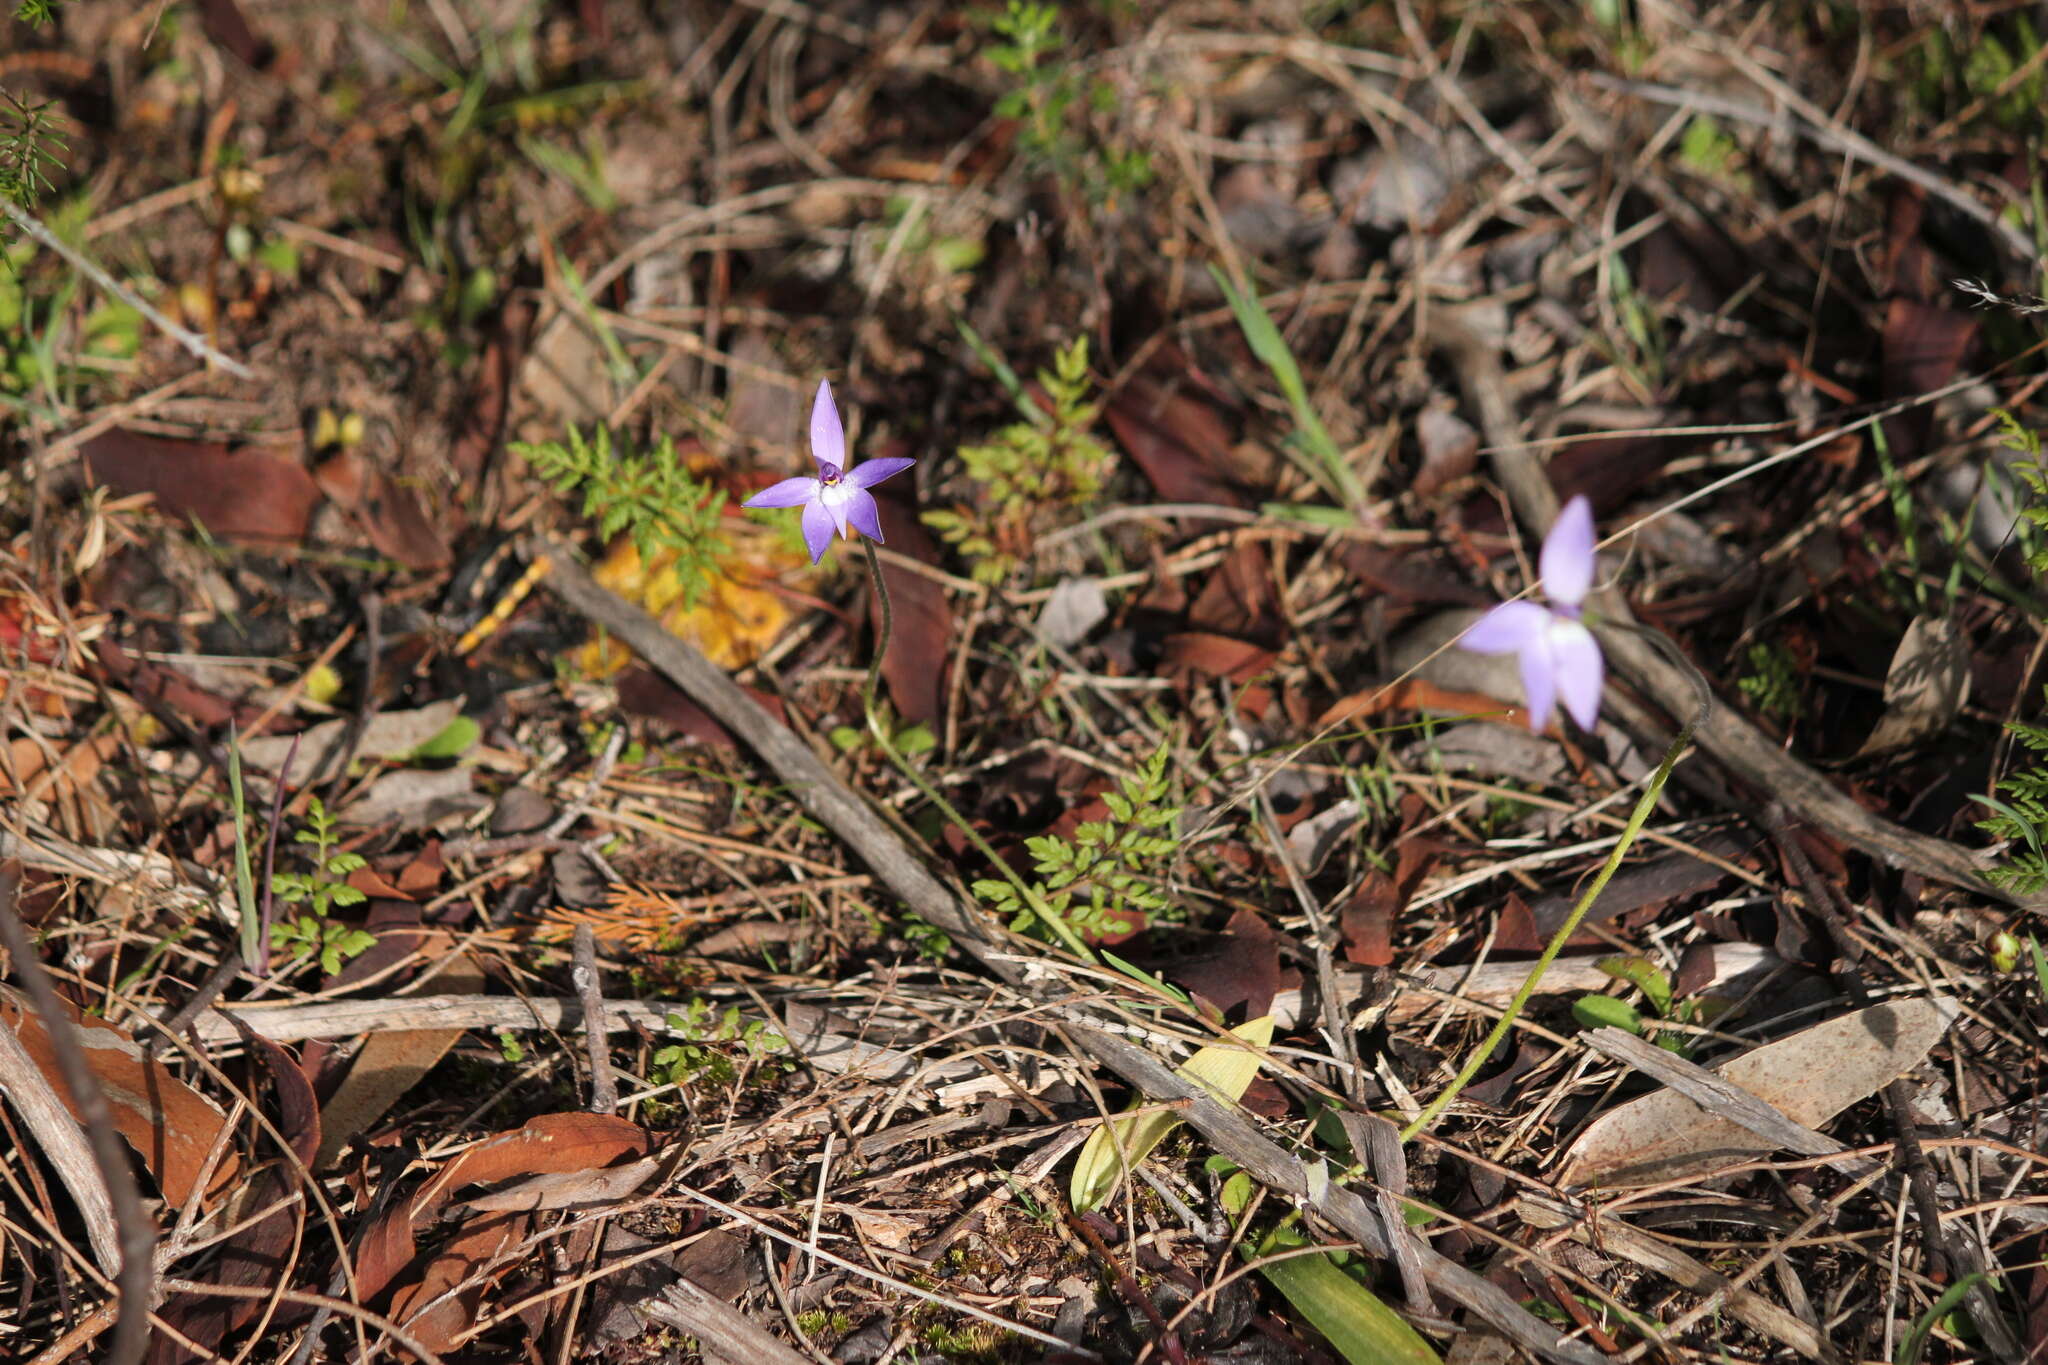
(1924, 347)
(226, 25)
(389, 512)
(921, 641)
(158, 685)
(1214, 656)
(247, 494)
(1179, 441)
(1367, 921)
(256, 1253)
(549, 1142)
(1239, 598)
(1242, 968)
(1412, 694)
(172, 1126)
(491, 394)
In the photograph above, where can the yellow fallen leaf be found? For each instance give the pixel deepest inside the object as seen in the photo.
(1226, 1072)
(737, 615)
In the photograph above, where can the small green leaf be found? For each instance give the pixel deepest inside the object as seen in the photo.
(1644, 976)
(1145, 978)
(1351, 1317)
(1915, 1341)
(916, 739)
(458, 737)
(1596, 1011)
(1224, 1071)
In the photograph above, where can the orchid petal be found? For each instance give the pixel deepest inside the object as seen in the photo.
(789, 493)
(1579, 670)
(828, 437)
(871, 472)
(1539, 684)
(817, 529)
(1567, 560)
(1508, 627)
(863, 515)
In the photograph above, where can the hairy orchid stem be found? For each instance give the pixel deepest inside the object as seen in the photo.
(879, 728)
(888, 626)
(1636, 820)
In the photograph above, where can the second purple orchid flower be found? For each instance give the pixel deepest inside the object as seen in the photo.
(1559, 656)
(837, 499)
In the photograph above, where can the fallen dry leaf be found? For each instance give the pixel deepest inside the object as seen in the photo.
(1177, 440)
(737, 615)
(172, 1126)
(389, 735)
(1925, 687)
(548, 1143)
(920, 646)
(246, 494)
(1810, 1077)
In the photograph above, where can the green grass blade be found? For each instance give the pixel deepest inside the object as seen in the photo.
(245, 879)
(1326, 465)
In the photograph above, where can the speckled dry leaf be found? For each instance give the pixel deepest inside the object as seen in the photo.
(1810, 1077)
(737, 615)
(1925, 687)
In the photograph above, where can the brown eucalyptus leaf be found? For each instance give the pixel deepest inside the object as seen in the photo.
(1810, 1077)
(170, 1124)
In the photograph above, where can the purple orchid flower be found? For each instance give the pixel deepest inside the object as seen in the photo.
(838, 498)
(1560, 657)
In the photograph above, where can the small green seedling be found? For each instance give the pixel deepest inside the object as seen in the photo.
(650, 497)
(1104, 879)
(314, 934)
(1598, 1011)
(710, 1041)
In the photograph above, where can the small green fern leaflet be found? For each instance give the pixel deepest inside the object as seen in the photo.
(315, 933)
(1104, 880)
(650, 497)
(1029, 470)
(2022, 816)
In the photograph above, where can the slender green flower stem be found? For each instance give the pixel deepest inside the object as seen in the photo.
(1636, 820)
(879, 728)
(1571, 924)
(888, 627)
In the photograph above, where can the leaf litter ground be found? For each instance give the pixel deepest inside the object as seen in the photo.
(622, 997)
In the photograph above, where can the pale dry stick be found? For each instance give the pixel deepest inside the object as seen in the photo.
(63, 1145)
(604, 1086)
(826, 798)
(135, 1236)
(198, 346)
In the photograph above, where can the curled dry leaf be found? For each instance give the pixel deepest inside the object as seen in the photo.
(443, 1293)
(1810, 1077)
(1925, 687)
(172, 1126)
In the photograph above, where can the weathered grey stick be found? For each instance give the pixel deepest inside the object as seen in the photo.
(849, 819)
